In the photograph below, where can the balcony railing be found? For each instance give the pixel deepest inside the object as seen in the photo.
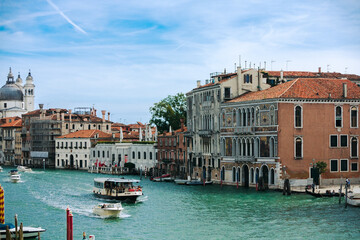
(244, 130)
(205, 132)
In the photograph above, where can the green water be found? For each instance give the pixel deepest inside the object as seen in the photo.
(169, 211)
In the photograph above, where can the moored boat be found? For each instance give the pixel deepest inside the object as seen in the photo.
(198, 182)
(15, 178)
(353, 199)
(28, 232)
(180, 181)
(24, 169)
(117, 188)
(108, 209)
(162, 178)
(13, 172)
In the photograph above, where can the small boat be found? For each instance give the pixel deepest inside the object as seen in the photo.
(353, 199)
(13, 172)
(117, 188)
(24, 169)
(198, 182)
(319, 195)
(165, 178)
(15, 178)
(28, 232)
(180, 181)
(108, 209)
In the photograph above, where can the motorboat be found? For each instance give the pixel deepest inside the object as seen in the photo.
(24, 169)
(13, 172)
(181, 181)
(353, 199)
(15, 178)
(162, 178)
(28, 232)
(198, 182)
(117, 188)
(108, 209)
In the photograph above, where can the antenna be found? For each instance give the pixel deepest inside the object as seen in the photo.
(272, 61)
(287, 61)
(240, 61)
(235, 66)
(264, 65)
(254, 65)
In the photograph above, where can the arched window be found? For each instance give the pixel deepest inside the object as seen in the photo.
(144, 155)
(354, 147)
(252, 175)
(234, 118)
(298, 117)
(298, 147)
(354, 117)
(338, 116)
(150, 155)
(133, 155)
(234, 174)
(272, 176)
(222, 173)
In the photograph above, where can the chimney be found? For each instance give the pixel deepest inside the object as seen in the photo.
(281, 75)
(344, 90)
(319, 69)
(198, 83)
(94, 112)
(70, 115)
(58, 114)
(109, 116)
(182, 124)
(206, 81)
(103, 115)
(41, 106)
(224, 70)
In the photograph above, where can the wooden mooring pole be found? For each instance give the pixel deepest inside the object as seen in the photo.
(16, 227)
(346, 193)
(340, 190)
(21, 232)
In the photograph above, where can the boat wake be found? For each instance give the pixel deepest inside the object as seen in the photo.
(142, 199)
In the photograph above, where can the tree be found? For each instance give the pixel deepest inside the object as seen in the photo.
(322, 168)
(168, 112)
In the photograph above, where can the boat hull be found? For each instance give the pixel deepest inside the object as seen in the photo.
(353, 199)
(123, 198)
(28, 232)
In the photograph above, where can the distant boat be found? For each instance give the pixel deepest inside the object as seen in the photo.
(117, 188)
(108, 209)
(180, 181)
(198, 182)
(319, 195)
(13, 172)
(24, 169)
(15, 178)
(29, 232)
(162, 178)
(353, 199)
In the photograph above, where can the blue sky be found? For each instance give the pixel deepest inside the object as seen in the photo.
(122, 56)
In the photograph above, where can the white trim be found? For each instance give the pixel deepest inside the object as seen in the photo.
(357, 166)
(337, 140)
(357, 116)
(347, 160)
(301, 116)
(337, 164)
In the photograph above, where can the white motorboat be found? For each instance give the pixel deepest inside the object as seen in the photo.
(24, 169)
(15, 178)
(108, 209)
(13, 172)
(117, 188)
(28, 232)
(353, 199)
(181, 181)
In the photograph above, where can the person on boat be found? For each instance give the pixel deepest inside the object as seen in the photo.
(139, 188)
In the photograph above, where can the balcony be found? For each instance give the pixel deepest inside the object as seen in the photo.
(205, 133)
(7, 138)
(244, 130)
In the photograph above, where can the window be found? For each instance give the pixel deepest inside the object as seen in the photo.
(333, 140)
(354, 167)
(298, 147)
(354, 147)
(344, 165)
(144, 155)
(93, 153)
(150, 155)
(343, 141)
(5, 105)
(334, 165)
(133, 155)
(298, 116)
(98, 153)
(338, 116)
(353, 117)
(226, 93)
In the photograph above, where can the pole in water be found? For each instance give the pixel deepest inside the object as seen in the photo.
(67, 224)
(340, 190)
(2, 205)
(44, 163)
(16, 227)
(346, 194)
(71, 226)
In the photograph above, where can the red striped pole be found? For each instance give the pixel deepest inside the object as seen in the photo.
(2, 205)
(67, 224)
(71, 226)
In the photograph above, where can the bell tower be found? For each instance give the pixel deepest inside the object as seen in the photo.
(29, 96)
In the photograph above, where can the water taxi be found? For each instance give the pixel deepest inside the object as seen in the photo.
(108, 209)
(117, 188)
(28, 232)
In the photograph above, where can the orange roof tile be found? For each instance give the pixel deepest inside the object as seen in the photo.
(15, 123)
(306, 88)
(87, 134)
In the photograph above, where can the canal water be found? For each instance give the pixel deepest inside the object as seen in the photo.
(169, 211)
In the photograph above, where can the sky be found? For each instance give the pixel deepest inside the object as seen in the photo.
(124, 56)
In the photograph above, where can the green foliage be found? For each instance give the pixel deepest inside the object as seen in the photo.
(168, 112)
(321, 166)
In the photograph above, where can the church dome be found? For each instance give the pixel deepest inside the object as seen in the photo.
(11, 92)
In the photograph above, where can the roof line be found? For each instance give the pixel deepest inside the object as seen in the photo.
(293, 82)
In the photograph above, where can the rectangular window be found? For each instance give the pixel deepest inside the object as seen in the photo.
(354, 167)
(343, 140)
(344, 165)
(227, 93)
(334, 165)
(333, 140)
